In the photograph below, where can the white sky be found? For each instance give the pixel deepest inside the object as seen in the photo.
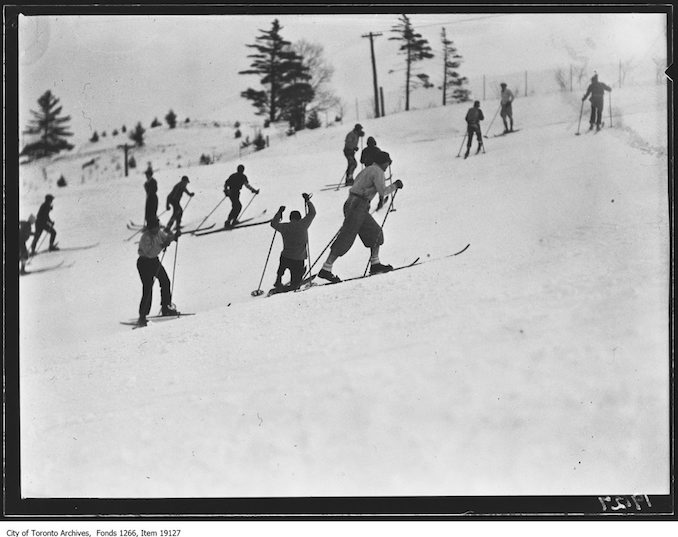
(114, 70)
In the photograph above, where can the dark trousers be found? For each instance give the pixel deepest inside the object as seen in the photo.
(177, 213)
(236, 207)
(470, 131)
(297, 268)
(596, 111)
(38, 231)
(150, 269)
(352, 163)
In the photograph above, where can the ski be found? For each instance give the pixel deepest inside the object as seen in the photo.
(601, 128)
(334, 187)
(413, 263)
(237, 226)
(51, 267)
(504, 133)
(133, 227)
(287, 287)
(135, 324)
(67, 249)
(197, 230)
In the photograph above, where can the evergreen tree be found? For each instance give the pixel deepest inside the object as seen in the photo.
(137, 135)
(49, 126)
(313, 121)
(94, 138)
(451, 78)
(171, 119)
(124, 129)
(415, 48)
(282, 73)
(155, 123)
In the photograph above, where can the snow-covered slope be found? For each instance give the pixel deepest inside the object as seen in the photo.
(533, 363)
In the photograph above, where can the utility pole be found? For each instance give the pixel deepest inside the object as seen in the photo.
(374, 73)
(125, 148)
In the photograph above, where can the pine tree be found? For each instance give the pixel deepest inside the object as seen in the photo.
(451, 78)
(282, 75)
(49, 126)
(171, 119)
(313, 121)
(415, 48)
(155, 123)
(137, 135)
(94, 138)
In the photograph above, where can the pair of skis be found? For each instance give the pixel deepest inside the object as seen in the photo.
(153, 319)
(136, 227)
(247, 222)
(308, 283)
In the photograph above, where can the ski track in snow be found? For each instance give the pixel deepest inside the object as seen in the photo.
(533, 363)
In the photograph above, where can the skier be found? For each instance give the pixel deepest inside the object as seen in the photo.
(151, 208)
(357, 218)
(295, 239)
(153, 241)
(506, 107)
(174, 199)
(371, 151)
(25, 231)
(350, 148)
(44, 223)
(232, 187)
(597, 91)
(473, 118)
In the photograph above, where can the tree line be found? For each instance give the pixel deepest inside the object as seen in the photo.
(295, 86)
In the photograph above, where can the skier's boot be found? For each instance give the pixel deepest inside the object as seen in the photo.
(480, 148)
(170, 311)
(53, 248)
(378, 268)
(327, 275)
(466, 154)
(142, 321)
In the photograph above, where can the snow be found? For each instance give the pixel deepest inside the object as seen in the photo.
(534, 363)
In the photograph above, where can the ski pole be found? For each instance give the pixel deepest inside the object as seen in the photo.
(243, 211)
(211, 212)
(382, 225)
(610, 107)
(462, 144)
(258, 291)
(308, 243)
(581, 111)
(390, 182)
(342, 179)
(482, 144)
(491, 122)
(307, 274)
(174, 267)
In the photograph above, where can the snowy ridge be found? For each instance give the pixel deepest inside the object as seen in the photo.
(528, 354)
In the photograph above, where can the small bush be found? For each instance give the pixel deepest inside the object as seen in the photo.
(61, 181)
(132, 163)
(238, 134)
(94, 138)
(259, 142)
(205, 159)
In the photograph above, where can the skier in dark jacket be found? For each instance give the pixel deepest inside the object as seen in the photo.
(350, 148)
(174, 200)
(295, 240)
(473, 118)
(597, 91)
(153, 241)
(25, 232)
(151, 208)
(44, 223)
(370, 152)
(358, 221)
(232, 187)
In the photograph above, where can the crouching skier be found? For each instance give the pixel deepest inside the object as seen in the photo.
(295, 240)
(153, 241)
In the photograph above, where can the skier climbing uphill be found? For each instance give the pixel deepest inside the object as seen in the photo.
(597, 91)
(153, 241)
(295, 240)
(232, 187)
(174, 200)
(358, 221)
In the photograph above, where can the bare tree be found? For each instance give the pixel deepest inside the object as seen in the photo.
(321, 72)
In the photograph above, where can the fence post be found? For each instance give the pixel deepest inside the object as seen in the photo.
(381, 95)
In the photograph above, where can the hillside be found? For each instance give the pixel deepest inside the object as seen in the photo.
(533, 363)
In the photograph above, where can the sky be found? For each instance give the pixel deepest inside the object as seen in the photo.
(109, 70)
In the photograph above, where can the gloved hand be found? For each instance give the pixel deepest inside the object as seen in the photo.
(177, 234)
(306, 196)
(256, 191)
(281, 209)
(382, 200)
(398, 184)
(355, 149)
(167, 207)
(192, 194)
